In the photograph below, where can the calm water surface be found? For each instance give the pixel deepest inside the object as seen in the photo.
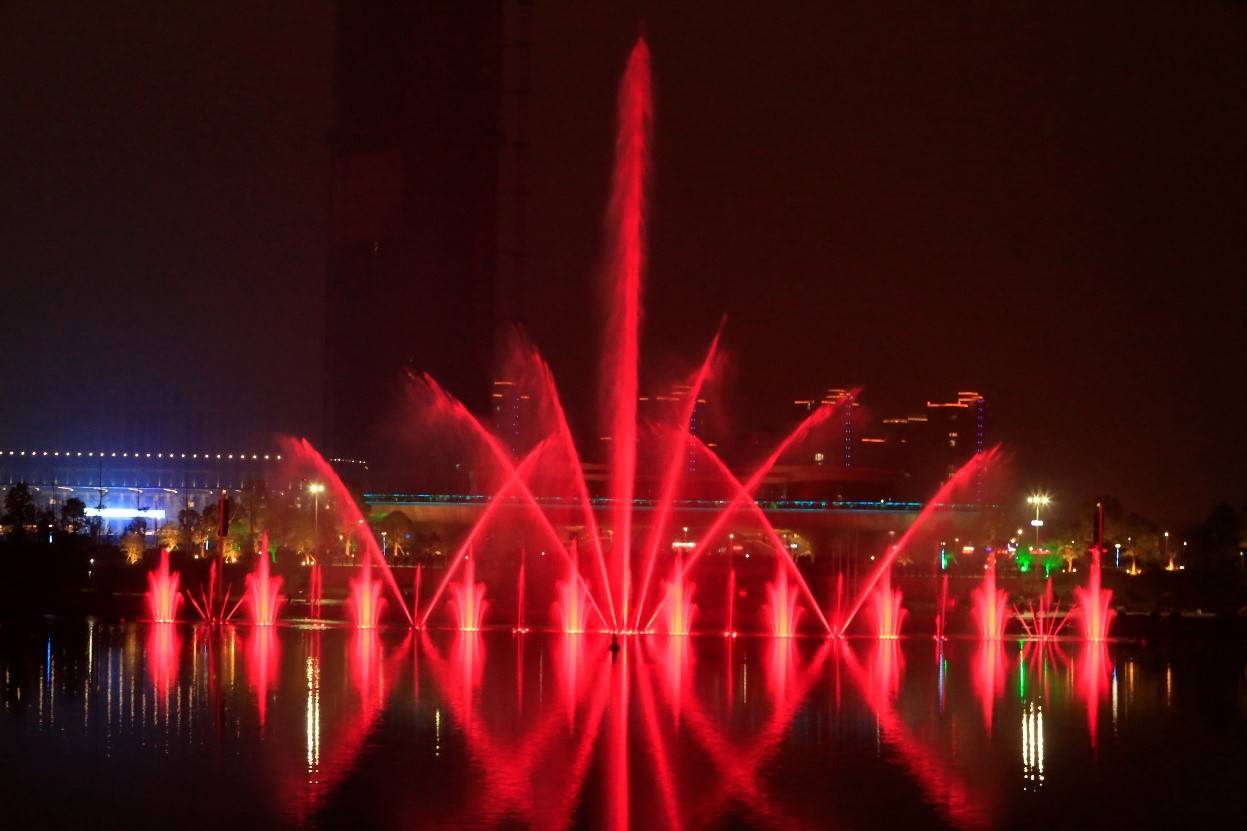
(150, 726)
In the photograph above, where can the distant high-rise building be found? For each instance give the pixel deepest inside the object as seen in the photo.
(414, 216)
(840, 444)
(926, 448)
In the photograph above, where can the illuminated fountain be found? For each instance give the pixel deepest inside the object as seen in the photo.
(468, 598)
(783, 611)
(163, 597)
(1046, 621)
(207, 606)
(889, 614)
(619, 587)
(989, 604)
(263, 596)
(163, 654)
(941, 612)
(570, 607)
(519, 627)
(263, 663)
(679, 606)
(1095, 613)
(315, 590)
(364, 597)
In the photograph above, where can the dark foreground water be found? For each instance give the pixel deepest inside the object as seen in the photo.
(160, 726)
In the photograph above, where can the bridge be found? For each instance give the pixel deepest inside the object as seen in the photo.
(819, 525)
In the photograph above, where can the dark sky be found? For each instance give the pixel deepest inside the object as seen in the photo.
(1040, 202)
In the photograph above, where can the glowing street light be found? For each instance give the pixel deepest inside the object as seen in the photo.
(315, 489)
(1040, 501)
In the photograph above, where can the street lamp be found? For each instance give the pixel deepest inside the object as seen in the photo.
(315, 489)
(1040, 501)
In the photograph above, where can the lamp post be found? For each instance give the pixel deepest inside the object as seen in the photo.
(315, 489)
(1040, 501)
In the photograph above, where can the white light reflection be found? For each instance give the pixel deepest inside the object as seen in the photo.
(312, 671)
(1032, 746)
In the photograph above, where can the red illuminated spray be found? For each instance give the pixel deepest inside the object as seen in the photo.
(626, 226)
(163, 598)
(989, 604)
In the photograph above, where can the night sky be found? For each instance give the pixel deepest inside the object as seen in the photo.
(1042, 204)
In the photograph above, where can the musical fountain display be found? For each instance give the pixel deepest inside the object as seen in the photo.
(573, 661)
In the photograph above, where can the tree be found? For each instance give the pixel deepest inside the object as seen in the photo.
(19, 508)
(74, 516)
(133, 544)
(170, 536)
(252, 504)
(194, 531)
(1218, 541)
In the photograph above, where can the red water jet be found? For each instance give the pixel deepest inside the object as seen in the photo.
(364, 598)
(468, 598)
(163, 597)
(626, 227)
(1095, 612)
(263, 590)
(888, 612)
(679, 602)
(989, 604)
(968, 473)
(781, 607)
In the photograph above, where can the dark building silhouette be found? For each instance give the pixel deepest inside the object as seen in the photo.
(418, 151)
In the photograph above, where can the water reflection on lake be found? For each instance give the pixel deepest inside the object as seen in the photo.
(142, 725)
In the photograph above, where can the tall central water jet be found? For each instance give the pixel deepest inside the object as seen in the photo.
(626, 227)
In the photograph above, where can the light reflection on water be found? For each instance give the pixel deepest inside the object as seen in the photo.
(391, 728)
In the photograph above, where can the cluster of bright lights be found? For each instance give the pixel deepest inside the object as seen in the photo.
(125, 454)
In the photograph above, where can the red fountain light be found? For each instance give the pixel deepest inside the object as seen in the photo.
(570, 607)
(364, 598)
(164, 650)
(468, 598)
(1093, 676)
(315, 590)
(781, 607)
(941, 615)
(679, 602)
(989, 677)
(968, 473)
(888, 612)
(1095, 612)
(622, 331)
(519, 627)
(163, 597)
(1045, 622)
(301, 453)
(207, 606)
(989, 605)
(263, 593)
(263, 660)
